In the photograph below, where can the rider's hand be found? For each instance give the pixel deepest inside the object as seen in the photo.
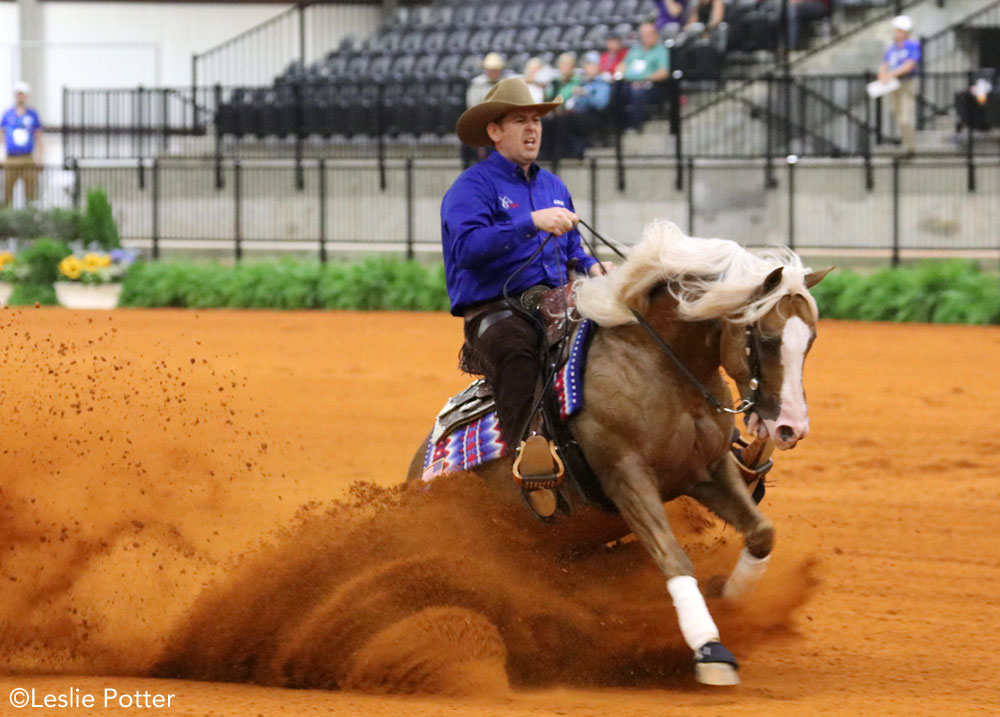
(601, 268)
(554, 220)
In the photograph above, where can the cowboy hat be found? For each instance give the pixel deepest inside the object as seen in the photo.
(506, 95)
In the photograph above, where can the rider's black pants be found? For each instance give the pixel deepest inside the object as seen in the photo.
(507, 348)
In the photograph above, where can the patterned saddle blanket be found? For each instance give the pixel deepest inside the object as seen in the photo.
(467, 432)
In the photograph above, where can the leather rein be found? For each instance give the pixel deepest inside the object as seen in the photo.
(752, 353)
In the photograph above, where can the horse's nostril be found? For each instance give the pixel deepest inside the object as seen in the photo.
(786, 433)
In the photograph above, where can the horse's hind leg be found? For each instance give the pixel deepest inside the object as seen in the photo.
(727, 496)
(632, 487)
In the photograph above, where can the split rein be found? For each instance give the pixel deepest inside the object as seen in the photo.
(752, 350)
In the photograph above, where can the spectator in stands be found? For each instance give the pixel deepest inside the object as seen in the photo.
(671, 12)
(705, 21)
(593, 94)
(493, 72)
(613, 56)
(495, 218)
(801, 12)
(22, 133)
(566, 81)
(707, 13)
(902, 62)
(535, 76)
(645, 64)
(568, 127)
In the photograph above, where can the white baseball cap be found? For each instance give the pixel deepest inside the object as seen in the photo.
(902, 22)
(22, 86)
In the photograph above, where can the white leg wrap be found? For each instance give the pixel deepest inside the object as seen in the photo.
(745, 576)
(696, 624)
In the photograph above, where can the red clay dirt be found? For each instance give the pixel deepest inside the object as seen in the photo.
(176, 500)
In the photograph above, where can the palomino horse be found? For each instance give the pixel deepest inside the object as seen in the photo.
(651, 433)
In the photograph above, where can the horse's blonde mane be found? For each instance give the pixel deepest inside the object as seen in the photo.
(709, 278)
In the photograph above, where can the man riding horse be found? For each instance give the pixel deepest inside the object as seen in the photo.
(508, 225)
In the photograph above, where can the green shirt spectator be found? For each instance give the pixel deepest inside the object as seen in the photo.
(646, 64)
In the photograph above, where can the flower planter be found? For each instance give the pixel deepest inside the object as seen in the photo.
(6, 289)
(74, 295)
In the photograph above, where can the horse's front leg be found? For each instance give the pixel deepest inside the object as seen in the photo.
(633, 488)
(726, 495)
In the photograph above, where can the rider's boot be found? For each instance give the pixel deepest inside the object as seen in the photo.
(538, 470)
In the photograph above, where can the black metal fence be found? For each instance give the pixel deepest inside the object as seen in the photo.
(951, 49)
(893, 208)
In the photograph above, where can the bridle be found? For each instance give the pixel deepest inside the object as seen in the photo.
(753, 365)
(752, 352)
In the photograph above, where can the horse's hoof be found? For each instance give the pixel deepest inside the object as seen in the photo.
(715, 665)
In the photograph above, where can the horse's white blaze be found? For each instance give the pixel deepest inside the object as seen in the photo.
(794, 413)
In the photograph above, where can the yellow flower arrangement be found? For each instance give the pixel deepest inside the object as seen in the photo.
(71, 267)
(5, 258)
(95, 267)
(93, 262)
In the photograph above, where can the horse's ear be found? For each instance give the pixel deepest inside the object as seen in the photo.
(815, 277)
(771, 283)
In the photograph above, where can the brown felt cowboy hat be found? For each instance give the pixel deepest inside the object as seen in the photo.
(507, 95)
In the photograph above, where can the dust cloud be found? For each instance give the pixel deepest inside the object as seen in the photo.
(143, 533)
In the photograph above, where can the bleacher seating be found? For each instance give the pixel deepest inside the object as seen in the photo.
(418, 65)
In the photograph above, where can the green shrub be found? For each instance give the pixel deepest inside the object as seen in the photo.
(62, 224)
(28, 294)
(376, 283)
(932, 291)
(98, 223)
(41, 261)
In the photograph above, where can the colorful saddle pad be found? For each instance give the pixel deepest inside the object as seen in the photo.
(480, 440)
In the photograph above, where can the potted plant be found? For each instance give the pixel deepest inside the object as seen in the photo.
(93, 281)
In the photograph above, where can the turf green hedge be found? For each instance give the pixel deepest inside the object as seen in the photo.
(374, 283)
(950, 292)
(939, 291)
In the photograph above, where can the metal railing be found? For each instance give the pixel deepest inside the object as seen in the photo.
(280, 46)
(946, 51)
(769, 118)
(911, 208)
(135, 123)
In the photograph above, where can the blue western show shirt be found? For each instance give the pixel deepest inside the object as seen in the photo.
(19, 131)
(487, 232)
(897, 55)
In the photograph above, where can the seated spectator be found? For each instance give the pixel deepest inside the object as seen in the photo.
(705, 21)
(613, 56)
(978, 107)
(565, 81)
(671, 12)
(537, 76)
(646, 63)
(479, 87)
(584, 98)
(593, 94)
